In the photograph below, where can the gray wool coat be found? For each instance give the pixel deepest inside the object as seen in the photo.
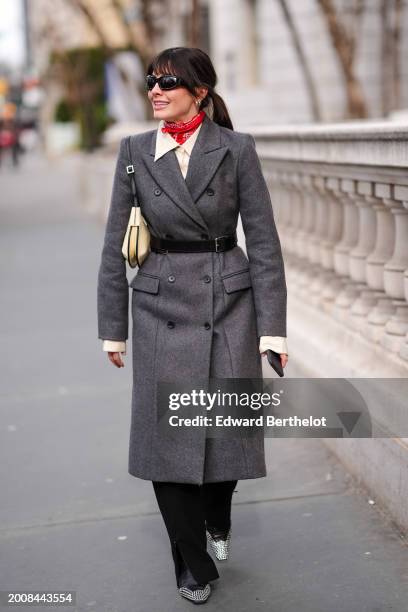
(196, 316)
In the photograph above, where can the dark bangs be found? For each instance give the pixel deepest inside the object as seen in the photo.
(183, 62)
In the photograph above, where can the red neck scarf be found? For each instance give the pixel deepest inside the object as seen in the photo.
(181, 130)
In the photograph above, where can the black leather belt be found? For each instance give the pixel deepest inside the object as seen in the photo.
(167, 245)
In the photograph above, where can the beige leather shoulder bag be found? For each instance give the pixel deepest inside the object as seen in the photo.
(136, 243)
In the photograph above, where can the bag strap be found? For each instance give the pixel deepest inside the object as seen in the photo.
(131, 170)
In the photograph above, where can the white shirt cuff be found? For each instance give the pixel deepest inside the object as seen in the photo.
(274, 343)
(114, 346)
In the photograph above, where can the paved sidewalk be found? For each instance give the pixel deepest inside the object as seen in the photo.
(303, 539)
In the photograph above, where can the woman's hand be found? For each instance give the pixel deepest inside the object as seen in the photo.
(283, 357)
(116, 359)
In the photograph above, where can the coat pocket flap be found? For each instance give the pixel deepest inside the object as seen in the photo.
(236, 281)
(142, 282)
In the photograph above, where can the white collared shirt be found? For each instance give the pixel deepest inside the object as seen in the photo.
(164, 143)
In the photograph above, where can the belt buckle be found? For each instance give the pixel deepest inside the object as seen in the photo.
(216, 243)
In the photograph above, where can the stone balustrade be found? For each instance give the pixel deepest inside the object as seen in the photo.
(340, 197)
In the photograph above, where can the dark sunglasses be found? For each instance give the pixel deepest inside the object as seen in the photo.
(166, 81)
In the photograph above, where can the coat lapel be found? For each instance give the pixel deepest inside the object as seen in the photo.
(206, 156)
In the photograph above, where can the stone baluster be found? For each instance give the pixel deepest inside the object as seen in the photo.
(394, 270)
(350, 291)
(335, 282)
(308, 216)
(366, 234)
(280, 209)
(314, 244)
(334, 224)
(381, 253)
(350, 228)
(321, 233)
(402, 192)
(298, 213)
(368, 297)
(302, 234)
(286, 182)
(290, 204)
(310, 268)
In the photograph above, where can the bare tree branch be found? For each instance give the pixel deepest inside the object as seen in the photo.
(396, 51)
(345, 46)
(356, 19)
(386, 57)
(93, 23)
(307, 74)
(139, 39)
(194, 34)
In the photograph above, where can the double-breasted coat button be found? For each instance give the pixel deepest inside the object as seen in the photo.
(207, 325)
(170, 324)
(210, 191)
(207, 278)
(157, 191)
(171, 278)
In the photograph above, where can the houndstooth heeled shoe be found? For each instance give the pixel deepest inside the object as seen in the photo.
(192, 590)
(219, 542)
(198, 595)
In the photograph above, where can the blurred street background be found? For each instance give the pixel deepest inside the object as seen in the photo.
(323, 87)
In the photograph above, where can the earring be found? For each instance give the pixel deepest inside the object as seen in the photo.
(198, 102)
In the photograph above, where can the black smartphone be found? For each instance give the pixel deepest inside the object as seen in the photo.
(275, 361)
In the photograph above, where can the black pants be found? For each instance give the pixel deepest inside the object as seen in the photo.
(186, 509)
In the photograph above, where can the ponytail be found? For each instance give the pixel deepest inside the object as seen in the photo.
(217, 109)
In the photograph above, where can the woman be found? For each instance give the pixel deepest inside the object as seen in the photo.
(201, 308)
